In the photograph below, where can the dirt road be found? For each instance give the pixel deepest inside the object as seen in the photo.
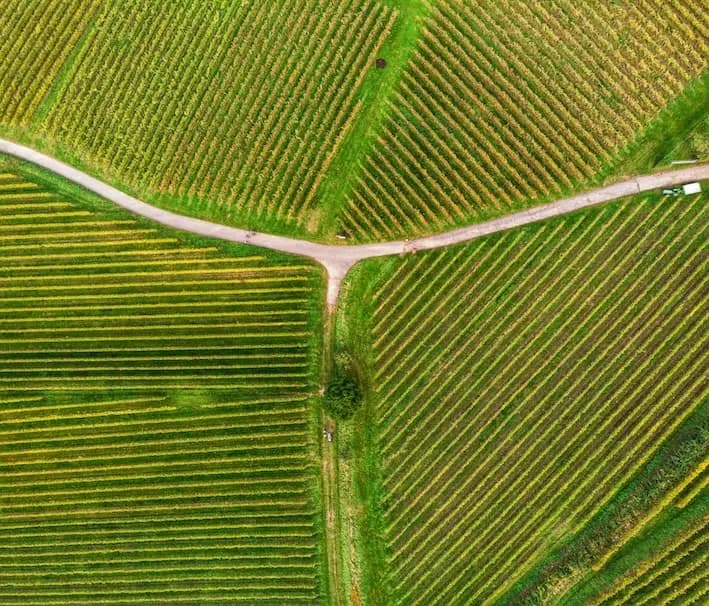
(339, 259)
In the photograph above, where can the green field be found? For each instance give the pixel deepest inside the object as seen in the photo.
(526, 414)
(513, 101)
(37, 39)
(673, 572)
(517, 383)
(229, 110)
(157, 412)
(274, 116)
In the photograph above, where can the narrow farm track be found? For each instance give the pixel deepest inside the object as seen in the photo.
(338, 260)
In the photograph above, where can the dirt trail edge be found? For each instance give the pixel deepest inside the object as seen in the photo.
(338, 260)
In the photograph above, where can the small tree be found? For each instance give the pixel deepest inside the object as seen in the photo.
(342, 397)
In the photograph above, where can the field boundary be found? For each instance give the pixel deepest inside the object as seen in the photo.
(338, 260)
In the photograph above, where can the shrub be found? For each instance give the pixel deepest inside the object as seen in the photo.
(342, 397)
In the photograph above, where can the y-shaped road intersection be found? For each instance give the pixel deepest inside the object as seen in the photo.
(338, 260)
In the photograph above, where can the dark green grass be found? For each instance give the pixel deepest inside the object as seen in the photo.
(360, 443)
(671, 523)
(376, 92)
(675, 134)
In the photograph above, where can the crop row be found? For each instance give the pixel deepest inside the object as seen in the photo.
(662, 570)
(152, 515)
(113, 489)
(518, 102)
(532, 430)
(520, 479)
(523, 379)
(35, 40)
(79, 321)
(699, 483)
(239, 108)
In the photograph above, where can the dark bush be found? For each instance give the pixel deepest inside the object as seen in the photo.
(342, 397)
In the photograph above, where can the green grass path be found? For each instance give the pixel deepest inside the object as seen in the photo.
(377, 89)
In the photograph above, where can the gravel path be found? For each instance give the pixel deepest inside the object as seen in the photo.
(339, 259)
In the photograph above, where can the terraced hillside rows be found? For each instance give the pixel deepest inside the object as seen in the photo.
(510, 101)
(520, 380)
(235, 108)
(677, 574)
(156, 412)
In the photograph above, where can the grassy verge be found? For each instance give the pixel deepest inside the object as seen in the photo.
(62, 77)
(654, 539)
(322, 483)
(364, 481)
(377, 89)
(347, 517)
(186, 398)
(330, 485)
(340, 508)
(572, 563)
(679, 132)
(205, 209)
(95, 202)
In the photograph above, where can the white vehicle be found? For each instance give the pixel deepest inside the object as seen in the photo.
(692, 188)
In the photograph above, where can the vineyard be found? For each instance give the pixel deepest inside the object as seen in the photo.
(355, 118)
(677, 574)
(36, 38)
(515, 101)
(520, 380)
(528, 412)
(237, 112)
(156, 412)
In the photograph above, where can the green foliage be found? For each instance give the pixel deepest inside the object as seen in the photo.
(679, 132)
(155, 385)
(505, 422)
(572, 561)
(220, 130)
(343, 397)
(480, 126)
(699, 144)
(312, 140)
(343, 363)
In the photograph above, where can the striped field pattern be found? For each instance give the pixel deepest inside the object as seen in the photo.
(508, 101)
(521, 379)
(29, 62)
(238, 106)
(156, 413)
(271, 115)
(101, 302)
(677, 574)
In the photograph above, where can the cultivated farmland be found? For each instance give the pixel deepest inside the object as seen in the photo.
(522, 420)
(35, 40)
(274, 116)
(510, 101)
(235, 108)
(676, 574)
(156, 412)
(520, 380)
